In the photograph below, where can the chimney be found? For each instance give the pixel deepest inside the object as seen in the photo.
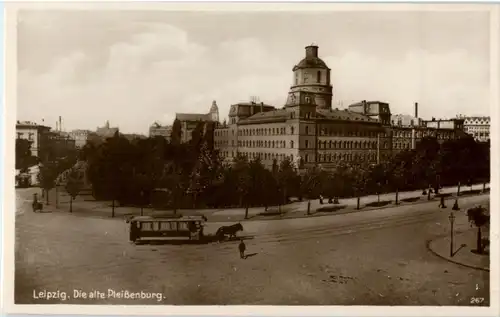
(60, 123)
(261, 107)
(311, 51)
(416, 109)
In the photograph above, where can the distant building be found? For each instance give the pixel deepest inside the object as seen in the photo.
(402, 120)
(157, 129)
(306, 130)
(80, 136)
(189, 121)
(310, 133)
(133, 136)
(477, 127)
(33, 132)
(107, 131)
(58, 145)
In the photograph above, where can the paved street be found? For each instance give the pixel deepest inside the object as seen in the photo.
(376, 257)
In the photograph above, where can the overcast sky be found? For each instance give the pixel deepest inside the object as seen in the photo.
(134, 68)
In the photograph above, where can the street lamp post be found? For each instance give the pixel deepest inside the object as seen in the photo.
(57, 200)
(452, 220)
(142, 203)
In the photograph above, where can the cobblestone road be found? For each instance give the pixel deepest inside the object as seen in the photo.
(366, 258)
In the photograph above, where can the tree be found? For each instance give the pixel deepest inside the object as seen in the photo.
(377, 178)
(174, 180)
(24, 159)
(208, 136)
(176, 134)
(397, 179)
(358, 180)
(479, 218)
(144, 186)
(285, 177)
(426, 165)
(74, 184)
(241, 168)
(46, 177)
(310, 186)
(197, 136)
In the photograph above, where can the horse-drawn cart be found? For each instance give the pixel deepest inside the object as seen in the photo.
(152, 227)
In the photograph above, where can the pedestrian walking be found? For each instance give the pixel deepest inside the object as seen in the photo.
(441, 204)
(242, 247)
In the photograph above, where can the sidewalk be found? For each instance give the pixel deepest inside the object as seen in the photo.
(83, 206)
(463, 243)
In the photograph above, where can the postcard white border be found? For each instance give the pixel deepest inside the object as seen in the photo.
(8, 125)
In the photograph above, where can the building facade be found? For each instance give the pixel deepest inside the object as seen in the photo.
(189, 121)
(80, 136)
(157, 129)
(58, 145)
(310, 133)
(106, 131)
(477, 127)
(306, 130)
(35, 133)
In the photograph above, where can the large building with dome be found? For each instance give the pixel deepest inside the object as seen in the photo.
(308, 131)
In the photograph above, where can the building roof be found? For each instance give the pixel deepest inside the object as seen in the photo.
(29, 124)
(192, 117)
(266, 116)
(343, 115)
(311, 62)
(243, 108)
(368, 103)
(328, 114)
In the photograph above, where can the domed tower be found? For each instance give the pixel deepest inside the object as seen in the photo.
(311, 77)
(214, 112)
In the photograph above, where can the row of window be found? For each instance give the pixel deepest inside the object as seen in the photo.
(330, 131)
(264, 144)
(282, 131)
(262, 131)
(30, 135)
(344, 132)
(326, 158)
(279, 144)
(347, 144)
(254, 155)
(401, 145)
(322, 158)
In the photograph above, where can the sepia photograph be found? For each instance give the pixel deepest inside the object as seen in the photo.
(252, 157)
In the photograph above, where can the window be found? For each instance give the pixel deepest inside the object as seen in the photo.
(318, 76)
(19, 135)
(307, 130)
(291, 144)
(307, 144)
(291, 130)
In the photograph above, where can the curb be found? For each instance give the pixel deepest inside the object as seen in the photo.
(428, 246)
(299, 214)
(362, 209)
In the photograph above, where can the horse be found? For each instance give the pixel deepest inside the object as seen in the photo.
(231, 231)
